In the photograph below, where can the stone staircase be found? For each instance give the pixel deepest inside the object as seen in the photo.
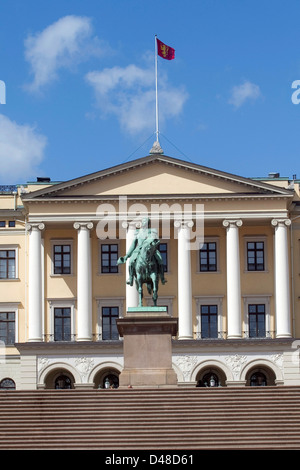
(151, 419)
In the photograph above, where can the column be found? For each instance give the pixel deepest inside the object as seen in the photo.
(282, 278)
(234, 320)
(132, 295)
(84, 282)
(185, 314)
(35, 297)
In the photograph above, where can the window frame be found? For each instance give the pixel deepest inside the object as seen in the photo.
(107, 302)
(108, 242)
(63, 323)
(12, 307)
(209, 300)
(257, 299)
(256, 314)
(209, 240)
(256, 239)
(61, 242)
(166, 242)
(14, 248)
(61, 303)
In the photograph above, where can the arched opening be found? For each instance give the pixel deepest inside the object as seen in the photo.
(260, 377)
(7, 384)
(59, 380)
(63, 382)
(211, 377)
(107, 378)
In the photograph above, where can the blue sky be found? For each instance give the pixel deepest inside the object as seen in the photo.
(80, 85)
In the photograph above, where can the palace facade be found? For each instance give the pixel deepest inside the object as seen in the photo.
(230, 247)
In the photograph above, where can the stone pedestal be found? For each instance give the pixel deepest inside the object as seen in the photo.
(147, 333)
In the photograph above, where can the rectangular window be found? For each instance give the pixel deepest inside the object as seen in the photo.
(2, 223)
(7, 327)
(109, 258)
(209, 321)
(62, 259)
(208, 257)
(163, 249)
(7, 264)
(255, 256)
(12, 223)
(109, 325)
(257, 320)
(62, 324)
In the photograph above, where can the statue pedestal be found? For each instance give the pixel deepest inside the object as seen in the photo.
(147, 333)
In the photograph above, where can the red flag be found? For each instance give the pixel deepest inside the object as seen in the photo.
(165, 51)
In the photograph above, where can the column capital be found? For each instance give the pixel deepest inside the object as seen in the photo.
(133, 224)
(87, 225)
(227, 223)
(36, 226)
(179, 223)
(281, 222)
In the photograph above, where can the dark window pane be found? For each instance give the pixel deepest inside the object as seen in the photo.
(109, 258)
(109, 325)
(208, 257)
(255, 256)
(62, 259)
(62, 324)
(209, 321)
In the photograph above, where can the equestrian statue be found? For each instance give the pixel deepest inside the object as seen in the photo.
(146, 264)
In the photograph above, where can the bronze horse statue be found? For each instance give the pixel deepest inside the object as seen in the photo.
(146, 264)
(146, 271)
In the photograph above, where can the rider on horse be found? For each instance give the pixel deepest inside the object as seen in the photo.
(142, 237)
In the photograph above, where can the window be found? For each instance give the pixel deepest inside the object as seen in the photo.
(209, 321)
(62, 259)
(258, 380)
(7, 384)
(109, 325)
(2, 223)
(163, 249)
(7, 264)
(109, 258)
(63, 382)
(11, 223)
(257, 320)
(255, 256)
(208, 257)
(7, 327)
(62, 324)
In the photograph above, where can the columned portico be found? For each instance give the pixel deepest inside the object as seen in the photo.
(84, 284)
(282, 284)
(234, 328)
(35, 301)
(185, 320)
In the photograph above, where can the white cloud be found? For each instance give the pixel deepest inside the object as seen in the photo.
(64, 43)
(241, 93)
(129, 94)
(21, 151)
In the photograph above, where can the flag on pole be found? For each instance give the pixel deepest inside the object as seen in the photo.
(164, 51)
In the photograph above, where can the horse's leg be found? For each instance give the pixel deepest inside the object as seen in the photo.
(155, 288)
(139, 282)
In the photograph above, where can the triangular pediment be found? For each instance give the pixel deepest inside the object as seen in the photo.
(154, 176)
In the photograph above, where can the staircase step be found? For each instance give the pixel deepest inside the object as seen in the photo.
(223, 418)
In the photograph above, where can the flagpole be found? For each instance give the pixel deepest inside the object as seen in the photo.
(156, 93)
(156, 148)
